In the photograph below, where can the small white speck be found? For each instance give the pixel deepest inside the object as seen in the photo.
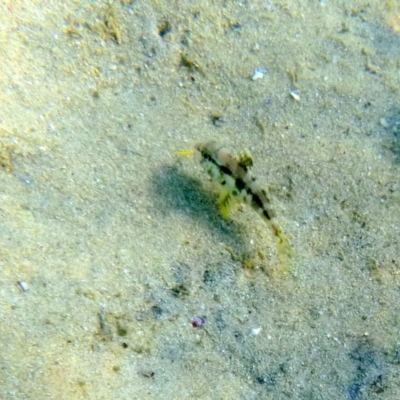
(23, 286)
(384, 123)
(259, 73)
(256, 331)
(295, 94)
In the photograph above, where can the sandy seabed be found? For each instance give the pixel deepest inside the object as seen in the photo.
(110, 243)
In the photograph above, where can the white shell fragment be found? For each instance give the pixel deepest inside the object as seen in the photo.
(259, 73)
(256, 331)
(22, 285)
(384, 122)
(295, 94)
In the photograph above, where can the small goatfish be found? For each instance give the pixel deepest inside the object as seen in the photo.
(236, 183)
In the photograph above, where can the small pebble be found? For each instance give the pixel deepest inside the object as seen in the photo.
(259, 73)
(198, 322)
(295, 95)
(22, 285)
(384, 123)
(256, 331)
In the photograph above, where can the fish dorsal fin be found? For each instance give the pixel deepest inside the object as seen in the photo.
(245, 159)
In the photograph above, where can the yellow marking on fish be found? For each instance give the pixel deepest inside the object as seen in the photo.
(184, 153)
(236, 183)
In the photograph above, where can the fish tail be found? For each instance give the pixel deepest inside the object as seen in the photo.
(284, 248)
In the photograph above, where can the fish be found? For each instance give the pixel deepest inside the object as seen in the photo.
(236, 183)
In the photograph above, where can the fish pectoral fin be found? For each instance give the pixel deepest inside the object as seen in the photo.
(225, 203)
